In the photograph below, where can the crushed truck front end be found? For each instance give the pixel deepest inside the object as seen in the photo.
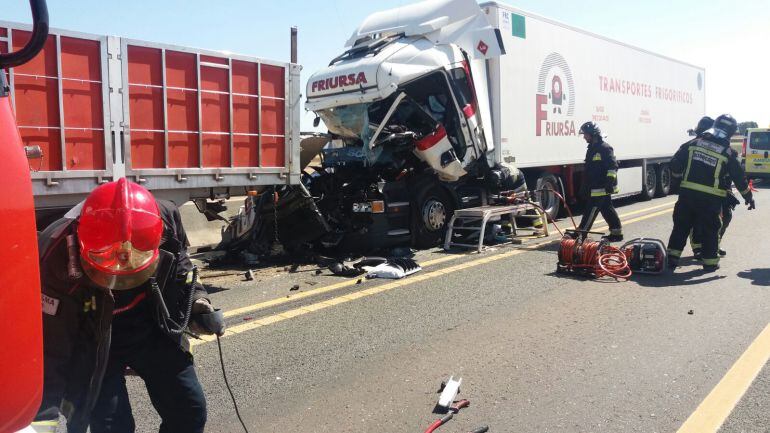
(406, 125)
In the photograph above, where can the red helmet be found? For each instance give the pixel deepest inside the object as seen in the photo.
(119, 231)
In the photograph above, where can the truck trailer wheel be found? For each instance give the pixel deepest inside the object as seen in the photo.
(431, 216)
(550, 202)
(650, 184)
(664, 180)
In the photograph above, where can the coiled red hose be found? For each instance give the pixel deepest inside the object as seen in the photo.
(601, 259)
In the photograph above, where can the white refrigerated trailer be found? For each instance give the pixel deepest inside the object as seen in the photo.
(554, 77)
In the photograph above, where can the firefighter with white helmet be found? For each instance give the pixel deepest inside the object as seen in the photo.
(600, 182)
(119, 291)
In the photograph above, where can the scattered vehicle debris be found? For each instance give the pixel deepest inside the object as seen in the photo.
(249, 275)
(395, 268)
(449, 391)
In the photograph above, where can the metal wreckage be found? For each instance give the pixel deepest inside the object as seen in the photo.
(409, 141)
(345, 207)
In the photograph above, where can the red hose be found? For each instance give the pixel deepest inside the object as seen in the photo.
(436, 424)
(525, 196)
(600, 259)
(462, 404)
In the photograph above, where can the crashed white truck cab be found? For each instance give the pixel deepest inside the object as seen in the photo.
(407, 122)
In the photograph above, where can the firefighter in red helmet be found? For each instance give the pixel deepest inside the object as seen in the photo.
(119, 290)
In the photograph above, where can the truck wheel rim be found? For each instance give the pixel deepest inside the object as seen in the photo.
(434, 215)
(651, 179)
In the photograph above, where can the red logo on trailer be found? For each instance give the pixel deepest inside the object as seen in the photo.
(555, 98)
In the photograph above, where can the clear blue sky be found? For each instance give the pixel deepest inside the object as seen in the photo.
(730, 39)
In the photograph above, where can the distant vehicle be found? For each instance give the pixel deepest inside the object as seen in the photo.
(432, 105)
(756, 149)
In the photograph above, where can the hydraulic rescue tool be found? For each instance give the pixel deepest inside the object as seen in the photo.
(447, 405)
(645, 256)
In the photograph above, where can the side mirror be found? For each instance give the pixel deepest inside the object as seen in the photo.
(316, 122)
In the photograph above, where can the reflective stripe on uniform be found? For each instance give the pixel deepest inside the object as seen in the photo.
(597, 157)
(44, 426)
(674, 253)
(599, 192)
(616, 232)
(711, 262)
(703, 188)
(745, 191)
(612, 173)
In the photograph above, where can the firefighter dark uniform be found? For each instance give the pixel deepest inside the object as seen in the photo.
(728, 206)
(600, 182)
(706, 167)
(91, 334)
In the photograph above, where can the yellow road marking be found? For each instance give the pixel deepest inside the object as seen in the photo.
(341, 285)
(714, 410)
(275, 318)
(647, 209)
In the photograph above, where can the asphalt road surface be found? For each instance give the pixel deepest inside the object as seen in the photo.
(537, 351)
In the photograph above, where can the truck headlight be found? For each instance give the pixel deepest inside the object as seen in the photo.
(377, 206)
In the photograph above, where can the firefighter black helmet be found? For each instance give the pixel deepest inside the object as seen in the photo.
(724, 127)
(704, 124)
(590, 128)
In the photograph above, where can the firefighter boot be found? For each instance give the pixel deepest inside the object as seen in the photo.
(616, 235)
(673, 262)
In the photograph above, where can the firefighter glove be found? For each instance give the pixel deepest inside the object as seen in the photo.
(206, 319)
(609, 189)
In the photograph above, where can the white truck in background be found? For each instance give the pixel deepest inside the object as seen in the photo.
(555, 77)
(436, 104)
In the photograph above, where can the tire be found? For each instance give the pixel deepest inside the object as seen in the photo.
(432, 211)
(551, 203)
(650, 183)
(664, 180)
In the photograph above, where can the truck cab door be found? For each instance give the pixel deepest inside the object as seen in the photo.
(462, 87)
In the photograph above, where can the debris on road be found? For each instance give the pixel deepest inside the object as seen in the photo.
(395, 268)
(294, 287)
(341, 269)
(249, 275)
(691, 312)
(449, 391)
